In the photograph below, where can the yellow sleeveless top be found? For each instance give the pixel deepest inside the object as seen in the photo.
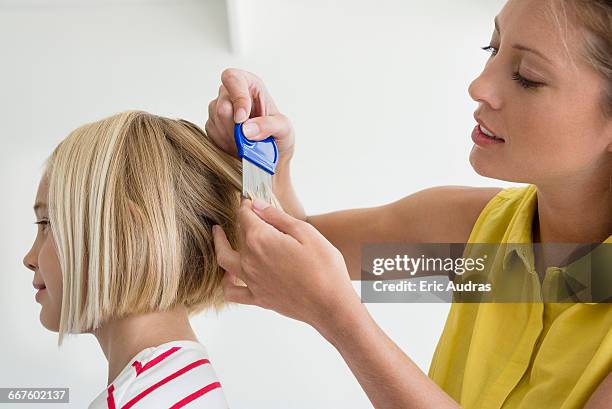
(522, 355)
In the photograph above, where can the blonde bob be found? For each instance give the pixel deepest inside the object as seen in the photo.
(132, 200)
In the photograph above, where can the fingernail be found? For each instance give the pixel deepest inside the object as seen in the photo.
(260, 204)
(240, 115)
(215, 228)
(250, 129)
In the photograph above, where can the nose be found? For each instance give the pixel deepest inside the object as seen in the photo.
(485, 89)
(30, 260)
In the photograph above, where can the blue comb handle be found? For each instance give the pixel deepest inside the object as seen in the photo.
(262, 153)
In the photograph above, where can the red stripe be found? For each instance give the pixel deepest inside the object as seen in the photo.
(140, 369)
(110, 400)
(167, 379)
(195, 395)
(137, 366)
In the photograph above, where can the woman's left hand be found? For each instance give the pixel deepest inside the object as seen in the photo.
(287, 266)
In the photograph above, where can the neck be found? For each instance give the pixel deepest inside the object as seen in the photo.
(574, 213)
(121, 339)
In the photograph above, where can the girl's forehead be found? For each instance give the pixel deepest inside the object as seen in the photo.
(40, 203)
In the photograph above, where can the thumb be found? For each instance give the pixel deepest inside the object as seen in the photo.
(279, 219)
(261, 127)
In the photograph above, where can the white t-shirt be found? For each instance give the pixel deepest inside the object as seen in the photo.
(172, 375)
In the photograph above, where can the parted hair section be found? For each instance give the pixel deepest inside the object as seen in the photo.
(132, 201)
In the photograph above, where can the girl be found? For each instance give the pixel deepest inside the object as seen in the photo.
(124, 251)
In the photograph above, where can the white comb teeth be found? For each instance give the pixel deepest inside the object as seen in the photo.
(256, 182)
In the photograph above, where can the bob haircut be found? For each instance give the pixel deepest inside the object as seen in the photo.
(132, 201)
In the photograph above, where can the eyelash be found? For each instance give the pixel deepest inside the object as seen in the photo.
(43, 222)
(523, 82)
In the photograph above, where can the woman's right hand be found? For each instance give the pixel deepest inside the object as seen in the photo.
(242, 95)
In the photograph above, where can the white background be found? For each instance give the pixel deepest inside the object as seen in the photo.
(377, 91)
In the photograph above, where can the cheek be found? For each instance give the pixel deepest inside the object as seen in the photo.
(51, 273)
(555, 139)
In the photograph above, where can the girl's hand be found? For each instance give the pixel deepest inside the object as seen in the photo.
(287, 266)
(242, 95)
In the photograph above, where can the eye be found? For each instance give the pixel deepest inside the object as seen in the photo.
(44, 223)
(490, 49)
(524, 82)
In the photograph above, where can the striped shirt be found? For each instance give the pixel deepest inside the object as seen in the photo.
(172, 375)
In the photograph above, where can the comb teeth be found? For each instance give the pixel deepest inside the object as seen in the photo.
(256, 182)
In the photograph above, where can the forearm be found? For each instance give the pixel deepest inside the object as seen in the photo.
(284, 192)
(386, 374)
(346, 229)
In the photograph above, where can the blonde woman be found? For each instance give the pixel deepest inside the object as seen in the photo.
(124, 251)
(544, 118)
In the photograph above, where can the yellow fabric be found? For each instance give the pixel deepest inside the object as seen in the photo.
(522, 355)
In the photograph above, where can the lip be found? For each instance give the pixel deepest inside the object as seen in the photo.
(39, 286)
(481, 122)
(482, 140)
(38, 294)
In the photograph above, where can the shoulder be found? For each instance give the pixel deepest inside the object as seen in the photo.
(170, 375)
(466, 198)
(487, 204)
(440, 214)
(451, 211)
(465, 204)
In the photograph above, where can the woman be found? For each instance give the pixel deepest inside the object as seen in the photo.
(544, 118)
(124, 251)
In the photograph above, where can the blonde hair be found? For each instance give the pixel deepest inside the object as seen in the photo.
(132, 200)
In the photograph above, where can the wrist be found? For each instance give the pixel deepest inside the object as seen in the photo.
(281, 182)
(342, 320)
(284, 162)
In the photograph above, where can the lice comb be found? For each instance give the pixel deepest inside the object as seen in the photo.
(259, 160)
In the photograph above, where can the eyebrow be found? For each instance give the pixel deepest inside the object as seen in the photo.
(522, 47)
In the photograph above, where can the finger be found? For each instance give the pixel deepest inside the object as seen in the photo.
(237, 86)
(251, 230)
(212, 109)
(282, 221)
(260, 128)
(253, 227)
(225, 112)
(227, 257)
(213, 132)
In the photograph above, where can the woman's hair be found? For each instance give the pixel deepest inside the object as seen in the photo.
(132, 200)
(594, 17)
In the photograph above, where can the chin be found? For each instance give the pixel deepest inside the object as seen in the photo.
(484, 167)
(50, 323)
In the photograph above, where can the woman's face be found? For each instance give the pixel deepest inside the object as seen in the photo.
(546, 110)
(43, 261)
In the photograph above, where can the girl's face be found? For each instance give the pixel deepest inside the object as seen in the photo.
(43, 261)
(545, 109)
